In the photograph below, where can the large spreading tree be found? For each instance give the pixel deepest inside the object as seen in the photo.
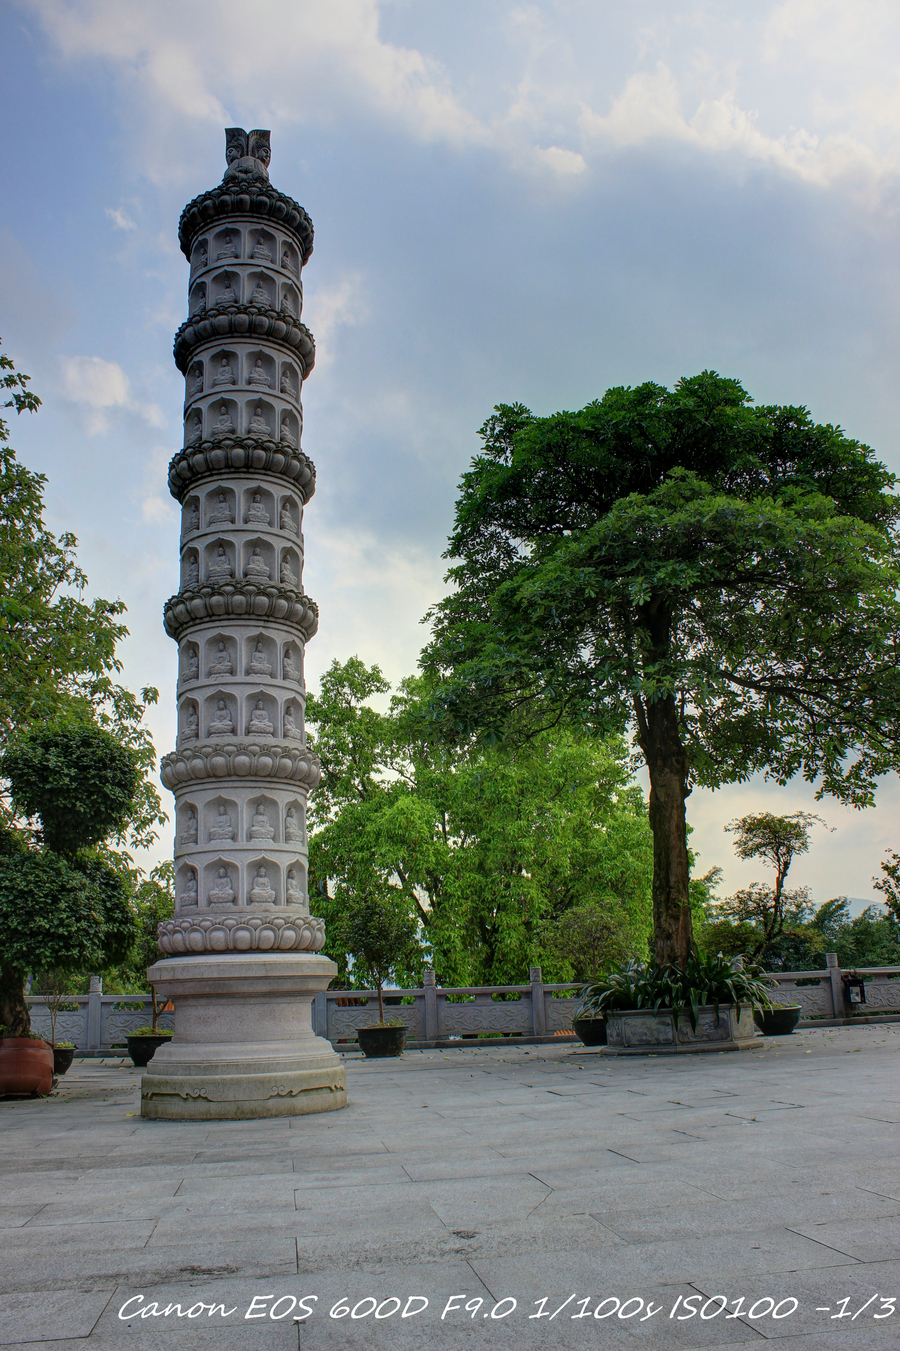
(719, 578)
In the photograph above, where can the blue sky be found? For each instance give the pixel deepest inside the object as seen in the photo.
(512, 201)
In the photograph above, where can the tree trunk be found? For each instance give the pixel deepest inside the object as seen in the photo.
(14, 1013)
(667, 762)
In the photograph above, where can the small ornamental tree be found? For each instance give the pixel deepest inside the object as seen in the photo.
(63, 908)
(778, 840)
(381, 934)
(720, 579)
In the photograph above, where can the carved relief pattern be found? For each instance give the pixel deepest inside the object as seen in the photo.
(343, 1023)
(486, 1015)
(243, 933)
(881, 994)
(233, 456)
(814, 1000)
(240, 760)
(240, 599)
(244, 321)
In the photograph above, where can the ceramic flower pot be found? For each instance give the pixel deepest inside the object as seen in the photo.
(26, 1067)
(143, 1048)
(62, 1058)
(779, 1022)
(381, 1041)
(590, 1031)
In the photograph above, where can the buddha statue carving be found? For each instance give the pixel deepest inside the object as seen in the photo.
(260, 296)
(287, 435)
(291, 668)
(256, 512)
(221, 664)
(293, 833)
(288, 576)
(258, 425)
(191, 571)
(222, 892)
(260, 723)
(257, 569)
(287, 305)
(287, 262)
(258, 376)
(261, 250)
(247, 155)
(222, 723)
(191, 729)
(261, 892)
(223, 425)
(227, 295)
(259, 662)
(221, 828)
(293, 893)
(224, 375)
(187, 898)
(191, 668)
(286, 519)
(259, 826)
(191, 517)
(220, 569)
(202, 256)
(291, 730)
(199, 303)
(227, 249)
(286, 385)
(189, 834)
(197, 382)
(221, 512)
(194, 432)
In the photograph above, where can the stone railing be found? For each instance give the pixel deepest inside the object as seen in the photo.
(439, 1016)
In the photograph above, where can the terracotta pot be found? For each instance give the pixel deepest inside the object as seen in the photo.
(26, 1067)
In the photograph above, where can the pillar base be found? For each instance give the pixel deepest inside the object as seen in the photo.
(243, 1046)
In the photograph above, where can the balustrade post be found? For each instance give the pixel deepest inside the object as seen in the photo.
(837, 985)
(429, 983)
(538, 1011)
(95, 1014)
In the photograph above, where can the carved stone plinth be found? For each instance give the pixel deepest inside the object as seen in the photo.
(243, 1045)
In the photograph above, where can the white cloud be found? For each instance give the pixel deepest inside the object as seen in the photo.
(332, 307)
(565, 163)
(120, 218)
(99, 387)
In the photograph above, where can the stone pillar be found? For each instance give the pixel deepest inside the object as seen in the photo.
(240, 956)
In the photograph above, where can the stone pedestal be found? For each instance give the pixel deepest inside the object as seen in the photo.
(243, 1045)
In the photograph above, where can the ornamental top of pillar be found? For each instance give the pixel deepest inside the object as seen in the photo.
(245, 190)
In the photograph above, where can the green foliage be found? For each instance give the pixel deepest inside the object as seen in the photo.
(704, 979)
(719, 579)
(487, 849)
(57, 650)
(80, 780)
(889, 883)
(382, 934)
(152, 903)
(65, 914)
(870, 939)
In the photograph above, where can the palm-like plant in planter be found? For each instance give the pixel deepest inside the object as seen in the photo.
(63, 907)
(704, 981)
(381, 934)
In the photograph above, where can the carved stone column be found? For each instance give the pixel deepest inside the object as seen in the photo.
(240, 959)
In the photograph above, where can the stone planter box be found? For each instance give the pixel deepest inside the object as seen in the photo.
(640, 1031)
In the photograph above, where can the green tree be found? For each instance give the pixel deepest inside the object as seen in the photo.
(889, 883)
(63, 909)
(58, 650)
(382, 936)
(718, 578)
(778, 840)
(488, 849)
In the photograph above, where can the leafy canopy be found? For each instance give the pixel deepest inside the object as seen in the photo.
(680, 545)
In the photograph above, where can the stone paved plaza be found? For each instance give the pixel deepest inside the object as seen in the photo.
(487, 1175)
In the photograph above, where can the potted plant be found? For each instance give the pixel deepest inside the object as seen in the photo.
(26, 1065)
(54, 989)
(62, 905)
(145, 1041)
(778, 1021)
(381, 933)
(706, 1004)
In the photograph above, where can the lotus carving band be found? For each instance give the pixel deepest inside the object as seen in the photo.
(255, 933)
(233, 454)
(241, 760)
(240, 600)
